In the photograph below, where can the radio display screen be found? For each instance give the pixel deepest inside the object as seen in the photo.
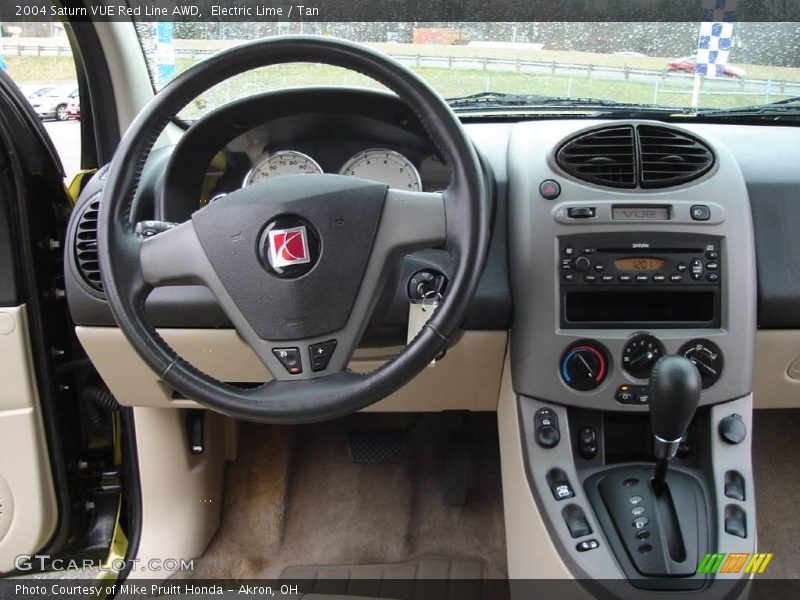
(639, 263)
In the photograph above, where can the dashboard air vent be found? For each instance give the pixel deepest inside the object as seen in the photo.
(86, 245)
(670, 157)
(603, 156)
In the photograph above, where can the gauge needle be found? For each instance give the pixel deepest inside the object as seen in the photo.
(585, 364)
(705, 367)
(647, 356)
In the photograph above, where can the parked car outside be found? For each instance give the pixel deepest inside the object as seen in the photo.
(53, 104)
(74, 107)
(689, 65)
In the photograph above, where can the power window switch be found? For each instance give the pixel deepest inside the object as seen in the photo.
(578, 525)
(587, 545)
(735, 525)
(562, 490)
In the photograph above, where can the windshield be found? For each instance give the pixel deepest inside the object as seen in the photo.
(679, 65)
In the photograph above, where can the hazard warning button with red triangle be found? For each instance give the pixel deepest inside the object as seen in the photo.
(550, 189)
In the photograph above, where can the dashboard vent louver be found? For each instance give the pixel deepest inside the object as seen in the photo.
(670, 157)
(86, 245)
(646, 156)
(603, 156)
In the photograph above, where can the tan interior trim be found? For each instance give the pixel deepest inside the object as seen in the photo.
(531, 552)
(28, 508)
(777, 373)
(467, 378)
(181, 492)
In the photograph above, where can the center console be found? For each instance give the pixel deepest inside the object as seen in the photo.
(611, 275)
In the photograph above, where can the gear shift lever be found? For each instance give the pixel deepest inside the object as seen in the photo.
(675, 388)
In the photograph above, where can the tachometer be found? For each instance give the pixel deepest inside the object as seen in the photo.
(386, 166)
(285, 162)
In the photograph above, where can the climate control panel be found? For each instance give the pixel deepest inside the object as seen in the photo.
(586, 364)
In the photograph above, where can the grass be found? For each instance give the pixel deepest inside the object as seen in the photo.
(40, 69)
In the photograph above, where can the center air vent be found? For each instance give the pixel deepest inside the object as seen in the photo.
(603, 156)
(86, 244)
(670, 157)
(646, 156)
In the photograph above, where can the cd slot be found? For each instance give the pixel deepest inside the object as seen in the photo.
(629, 250)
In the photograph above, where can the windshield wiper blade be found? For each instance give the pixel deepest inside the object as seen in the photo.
(484, 100)
(785, 107)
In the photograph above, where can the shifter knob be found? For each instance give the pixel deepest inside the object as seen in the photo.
(675, 388)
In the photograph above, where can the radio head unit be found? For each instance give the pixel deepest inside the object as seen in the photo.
(654, 280)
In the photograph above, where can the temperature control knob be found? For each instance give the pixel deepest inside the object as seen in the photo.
(584, 366)
(707, 357)
(640, 355)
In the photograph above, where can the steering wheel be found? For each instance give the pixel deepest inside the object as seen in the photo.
(295, 262)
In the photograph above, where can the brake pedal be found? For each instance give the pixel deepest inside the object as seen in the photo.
(378, 446)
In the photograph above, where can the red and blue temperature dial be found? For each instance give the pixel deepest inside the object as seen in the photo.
(584, 366)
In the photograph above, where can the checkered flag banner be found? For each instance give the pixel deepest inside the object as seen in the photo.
(716, 35)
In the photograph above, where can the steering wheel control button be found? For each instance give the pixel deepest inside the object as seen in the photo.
(584, 366)
(640, 522)
(700, 212)
(289, 247)
(320, 354)
(635, 500)
(550, 189)
(290, 359)
(546, 426)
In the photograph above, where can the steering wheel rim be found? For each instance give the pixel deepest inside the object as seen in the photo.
(130, 266)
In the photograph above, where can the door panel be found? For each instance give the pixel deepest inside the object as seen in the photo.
(28, 510)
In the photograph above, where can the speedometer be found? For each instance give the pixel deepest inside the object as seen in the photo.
(386, 166)
(285, 162)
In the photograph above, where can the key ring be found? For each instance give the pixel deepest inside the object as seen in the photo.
(428, 296)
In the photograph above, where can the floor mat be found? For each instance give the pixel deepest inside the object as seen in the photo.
(777, 484)
(428, 578)
(294, 497)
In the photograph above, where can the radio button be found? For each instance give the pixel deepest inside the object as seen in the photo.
(608, 278)
(588, 250)
(590, 278)
(712, 277)
(642, 278)
(712, 266)
(659, 278)
(569, 277)
(712, 255)
(582, 264)
(681, 267)
(566, 264)
(675, 278)
(625, 277)
(697, 269)
(599, 267)
(569, 251)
